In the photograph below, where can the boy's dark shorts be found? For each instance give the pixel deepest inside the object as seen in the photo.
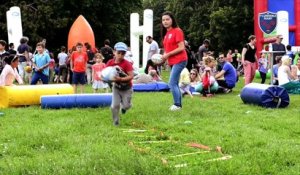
(79, 78)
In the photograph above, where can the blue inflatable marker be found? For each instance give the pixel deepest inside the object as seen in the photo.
(76, 101)
(265, 95)
(151, 87)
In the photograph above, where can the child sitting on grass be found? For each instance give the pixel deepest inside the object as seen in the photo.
(209, 85)
(10, 73)
(184, 82)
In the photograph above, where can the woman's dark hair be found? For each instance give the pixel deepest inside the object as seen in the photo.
(24, 39)
(174, 24)
(11, 58)
(106, 42)
(149, 63)
(251, 37)
(88, 46)
(63, 48)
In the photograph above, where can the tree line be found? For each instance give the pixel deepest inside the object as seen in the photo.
(227, 23)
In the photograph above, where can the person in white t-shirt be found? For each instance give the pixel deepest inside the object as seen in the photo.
(153, 49)
(284, 71)
(62, 61)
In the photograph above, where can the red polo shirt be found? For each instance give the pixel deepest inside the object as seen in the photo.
(171, 40)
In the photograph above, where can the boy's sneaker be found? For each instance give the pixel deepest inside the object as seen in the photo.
(175, 108)
(123, 111)
(116, 123)
(227, 91)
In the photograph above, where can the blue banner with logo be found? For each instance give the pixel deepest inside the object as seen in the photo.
(267, 22)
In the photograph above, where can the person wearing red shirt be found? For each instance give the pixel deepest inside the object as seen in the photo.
(96, 73)
(78, 63)
(174, 52)
(122, 86)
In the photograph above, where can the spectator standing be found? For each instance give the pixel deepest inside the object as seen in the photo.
(174, 52)
(23, 52)
(278, 46)
(11, 49)
(3, 55)
(41, 62)
(203, 49)
(153, 48)
(249, 59)
(107, 51)
(90, 62)
(78, 63)
(62, 62)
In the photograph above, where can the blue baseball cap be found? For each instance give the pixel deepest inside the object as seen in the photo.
(120, 46)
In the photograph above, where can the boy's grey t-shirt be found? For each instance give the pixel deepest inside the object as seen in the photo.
(62, 57)
(202, 49)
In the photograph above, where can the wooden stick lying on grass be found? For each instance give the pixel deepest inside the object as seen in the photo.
(210, 160)
(155, 141)
(134, 130)
(188, 154)
(200, 146)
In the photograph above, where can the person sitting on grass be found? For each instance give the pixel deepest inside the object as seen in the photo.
(151, 66)
(184, 82)
(298, 69)
(194, 79)
(143, 78)
(9, 74)
(208, 86)
(287, 77)
(229, 74)
(284, 71)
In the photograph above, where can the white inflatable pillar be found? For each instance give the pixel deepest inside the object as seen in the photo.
(135, 31)
(283, 26)
(14, 25)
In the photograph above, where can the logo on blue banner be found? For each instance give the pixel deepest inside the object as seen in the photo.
(267, 21)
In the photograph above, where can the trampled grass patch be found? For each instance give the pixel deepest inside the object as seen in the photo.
(84, 141)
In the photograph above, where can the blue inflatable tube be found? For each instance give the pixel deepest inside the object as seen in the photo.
(265, 95)
(151, 87)
(76, 101)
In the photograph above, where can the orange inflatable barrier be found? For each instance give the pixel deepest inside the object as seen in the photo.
(81, 31)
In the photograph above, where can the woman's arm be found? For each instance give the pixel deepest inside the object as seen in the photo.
(288, 71)
(179, 49)
(243, 55)
(18, 77)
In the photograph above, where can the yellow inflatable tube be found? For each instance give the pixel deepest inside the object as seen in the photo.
(11, 96)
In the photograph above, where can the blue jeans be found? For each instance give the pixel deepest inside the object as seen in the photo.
(174, 82)
(39, 76)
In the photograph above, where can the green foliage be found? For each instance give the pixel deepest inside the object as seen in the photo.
(226, 23)
(53, 19)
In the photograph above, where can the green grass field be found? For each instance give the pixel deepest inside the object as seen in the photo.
(84, 141)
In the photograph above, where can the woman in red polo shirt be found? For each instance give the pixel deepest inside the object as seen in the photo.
(174, 52)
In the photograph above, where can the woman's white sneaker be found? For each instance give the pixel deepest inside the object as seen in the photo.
(175, 108)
